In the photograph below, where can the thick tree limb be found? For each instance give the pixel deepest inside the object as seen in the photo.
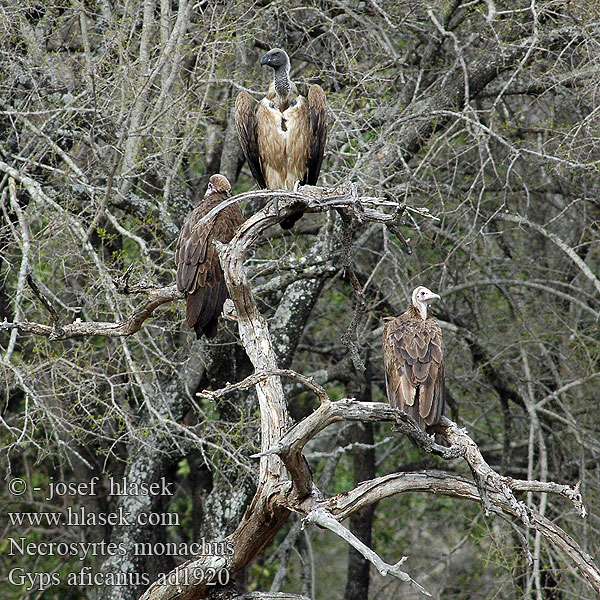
(312, 199)
(462, 446)
(435, 482)
(499, 490)
(78, 328)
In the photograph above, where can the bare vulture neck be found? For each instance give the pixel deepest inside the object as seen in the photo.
(283, 84)
(419, 311)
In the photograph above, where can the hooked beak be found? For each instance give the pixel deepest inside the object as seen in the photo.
(431, 297)
(264, 59)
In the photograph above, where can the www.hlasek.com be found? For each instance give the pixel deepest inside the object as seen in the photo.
(81, 516)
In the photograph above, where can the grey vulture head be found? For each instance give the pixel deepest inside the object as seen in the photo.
(275, 58)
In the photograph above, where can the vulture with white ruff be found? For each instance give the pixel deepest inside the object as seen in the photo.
(414, 361)
(199, 273)
(284, 137)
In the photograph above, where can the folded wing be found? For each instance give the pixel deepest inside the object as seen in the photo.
(317, 105)
(246, 125)
(414, 369)
(199, 273)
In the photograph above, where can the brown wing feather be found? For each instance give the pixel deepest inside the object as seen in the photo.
(317, 104)
(191, 245)
(199, 273)
(245, 122)
(413, 355)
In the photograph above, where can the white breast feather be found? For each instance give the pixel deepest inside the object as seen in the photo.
(280, 173)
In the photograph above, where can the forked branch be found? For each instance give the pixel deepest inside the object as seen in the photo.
(325, 519)
(155, 297)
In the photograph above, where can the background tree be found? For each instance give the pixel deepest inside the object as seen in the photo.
(481, 117)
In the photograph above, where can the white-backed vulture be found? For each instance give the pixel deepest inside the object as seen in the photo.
(199, 273)
(414, 361)
(284, 137)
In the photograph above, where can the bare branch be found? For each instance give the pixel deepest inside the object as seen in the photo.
(253, 379)
(322, 517)
(78, 328)
(368, 492)
(36, 290)
(520, 220)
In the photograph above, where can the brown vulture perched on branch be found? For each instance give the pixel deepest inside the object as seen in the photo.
(414, 361)
(283, 139)
(199, 273)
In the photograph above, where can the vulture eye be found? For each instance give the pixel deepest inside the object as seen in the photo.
(271, 104)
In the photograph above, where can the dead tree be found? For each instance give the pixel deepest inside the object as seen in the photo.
(286, 483)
